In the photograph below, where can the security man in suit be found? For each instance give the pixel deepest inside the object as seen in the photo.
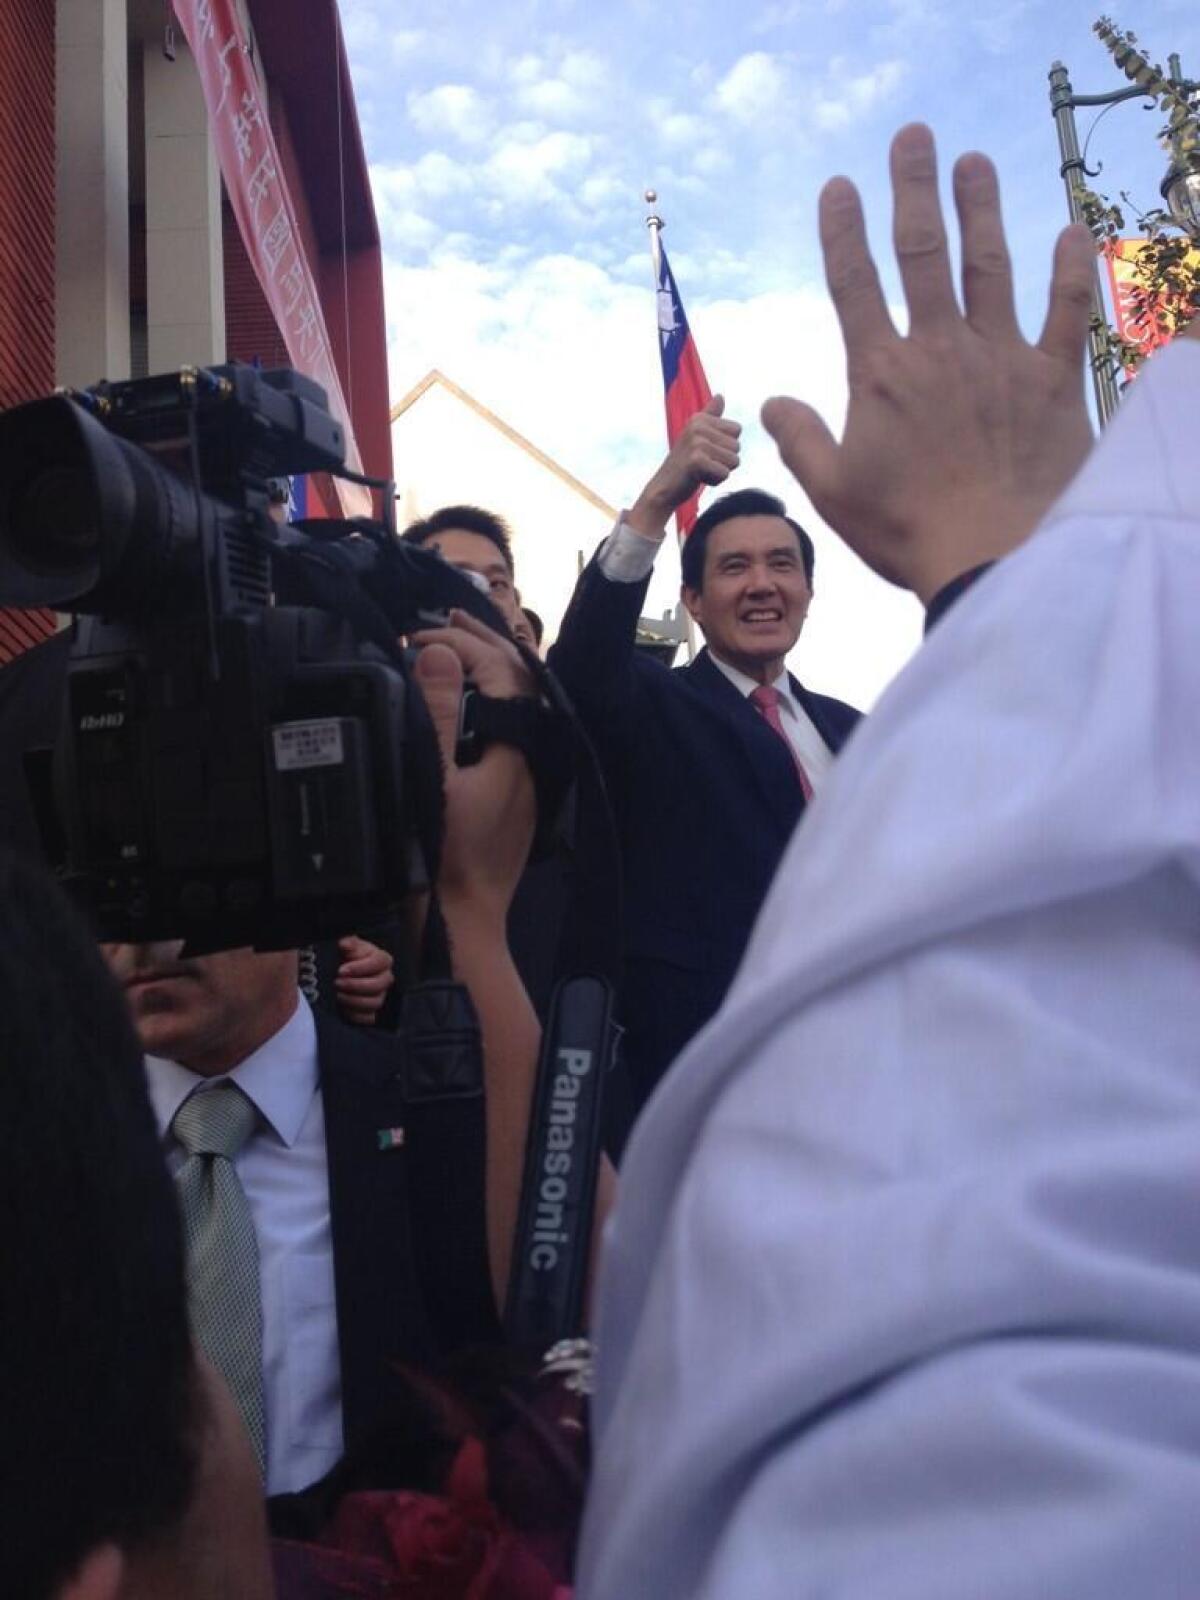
(342, 1216)
(710, 765)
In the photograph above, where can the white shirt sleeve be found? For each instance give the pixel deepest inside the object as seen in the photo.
(626, 556)
(902, 1292)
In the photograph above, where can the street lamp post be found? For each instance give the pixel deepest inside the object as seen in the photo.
(1180, 191)
(1063, 101)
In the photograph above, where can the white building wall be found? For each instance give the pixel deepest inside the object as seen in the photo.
(92, 204)
(185, 284)
(446, 454)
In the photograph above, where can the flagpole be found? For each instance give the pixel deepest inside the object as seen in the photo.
(656, 225)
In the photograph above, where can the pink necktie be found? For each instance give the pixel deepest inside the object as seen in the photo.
(765, 700)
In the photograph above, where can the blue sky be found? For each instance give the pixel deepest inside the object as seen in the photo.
(510, 145)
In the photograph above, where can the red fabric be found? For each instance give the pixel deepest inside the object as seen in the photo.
(497, 1460)
(263, 205)
(452, 1548)
(22, 630)
(765, 700)
(687, 395)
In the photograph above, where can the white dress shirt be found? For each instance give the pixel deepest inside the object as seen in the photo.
(901, 1297)
(284, 1174)
(626, 556)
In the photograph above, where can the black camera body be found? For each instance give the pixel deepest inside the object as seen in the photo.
(240, 759)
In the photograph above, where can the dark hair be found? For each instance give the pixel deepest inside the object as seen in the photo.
(535, 622)
(470, 519)
(98, 1406)
(742, 503)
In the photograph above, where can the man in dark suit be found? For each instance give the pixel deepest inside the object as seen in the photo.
(345, 1207)
(711, 765)
(363, 1190)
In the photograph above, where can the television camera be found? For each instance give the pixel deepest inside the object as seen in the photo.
(241, 759)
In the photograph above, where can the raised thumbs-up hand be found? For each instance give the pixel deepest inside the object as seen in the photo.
(706, 452)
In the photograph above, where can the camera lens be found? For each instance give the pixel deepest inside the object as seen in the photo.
(53, 525)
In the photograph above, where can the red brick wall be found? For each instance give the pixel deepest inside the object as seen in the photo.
(26, 201)
(251, 331)
(26, 239)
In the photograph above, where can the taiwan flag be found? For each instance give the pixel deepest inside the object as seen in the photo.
(686, 386)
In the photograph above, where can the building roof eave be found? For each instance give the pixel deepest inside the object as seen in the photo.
(434, 377)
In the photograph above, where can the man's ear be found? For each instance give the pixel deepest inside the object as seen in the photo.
(98, 1576)
(693, 600)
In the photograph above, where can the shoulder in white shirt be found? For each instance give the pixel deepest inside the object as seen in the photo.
(902, 1291)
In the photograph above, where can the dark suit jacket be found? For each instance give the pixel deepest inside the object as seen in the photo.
(706, 799)
(408, 1221)
(31, 701)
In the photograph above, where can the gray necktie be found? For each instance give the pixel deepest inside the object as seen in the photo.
(224, 1299)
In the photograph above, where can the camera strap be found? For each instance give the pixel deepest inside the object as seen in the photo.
(552, 1247)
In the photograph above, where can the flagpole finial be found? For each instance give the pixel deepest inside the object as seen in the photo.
(656, 225)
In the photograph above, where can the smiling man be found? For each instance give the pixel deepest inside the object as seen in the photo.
(710, 765)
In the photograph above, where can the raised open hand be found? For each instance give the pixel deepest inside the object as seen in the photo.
(959, 436)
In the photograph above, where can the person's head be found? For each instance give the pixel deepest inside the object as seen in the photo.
(107, 1429)
(473, 540)
(747, 580)
(536, 626)
(206, 1012)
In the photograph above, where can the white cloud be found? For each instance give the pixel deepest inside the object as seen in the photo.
(683, 128)
(451, 108)
(603, 190)
(752, 88)
(523, 170)
(854, 97)
(404, 44)
(572, 91)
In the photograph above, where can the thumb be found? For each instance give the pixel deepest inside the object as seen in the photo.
(715, 406)
(808, 449)
(439, 676)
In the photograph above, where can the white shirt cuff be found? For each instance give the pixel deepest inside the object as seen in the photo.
(626, 556)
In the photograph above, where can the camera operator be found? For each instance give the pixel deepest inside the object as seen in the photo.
(334, 1229)
(478, 541)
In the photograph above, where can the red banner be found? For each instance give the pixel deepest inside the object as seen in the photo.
(1141, 319)
(262, 204)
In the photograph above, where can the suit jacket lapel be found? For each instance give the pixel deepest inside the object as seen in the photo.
(771, 767)
(816, 715)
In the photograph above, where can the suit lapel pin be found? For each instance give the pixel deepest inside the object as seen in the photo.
(389, 1138)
